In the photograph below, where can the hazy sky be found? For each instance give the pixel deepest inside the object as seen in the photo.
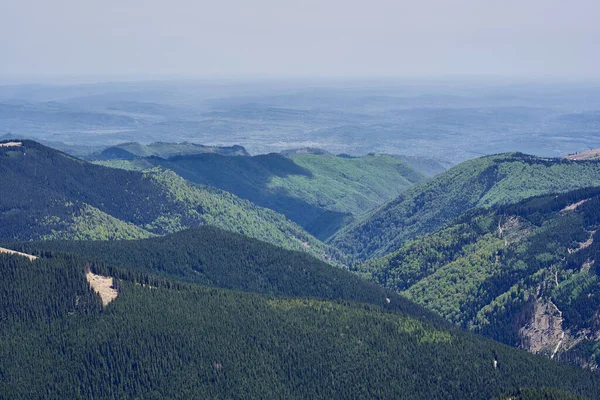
(277, 38)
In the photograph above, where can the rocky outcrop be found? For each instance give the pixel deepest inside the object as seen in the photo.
(544, 332)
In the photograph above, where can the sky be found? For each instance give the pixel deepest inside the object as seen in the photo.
(300, 38)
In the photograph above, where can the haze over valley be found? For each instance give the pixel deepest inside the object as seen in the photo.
(448, 120)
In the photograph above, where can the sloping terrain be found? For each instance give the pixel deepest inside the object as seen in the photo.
(482, 182)
(320, 192)
(524, 274)
(51, 195)
(212, 256)
(163, 338)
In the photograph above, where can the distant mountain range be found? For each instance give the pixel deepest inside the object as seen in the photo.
(129, 151)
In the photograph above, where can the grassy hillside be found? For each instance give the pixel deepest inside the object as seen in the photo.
(524, 274)
(482, 182)
(53, 195)
(163, 338)
(321, 193)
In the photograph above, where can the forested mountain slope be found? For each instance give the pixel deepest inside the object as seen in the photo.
(320, 192)
(212, 256)
(482, 182)
(163, 338)
(524, 274)
(50, 195)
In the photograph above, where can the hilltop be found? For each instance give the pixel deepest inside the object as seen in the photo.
(132, 150)
(593, 154)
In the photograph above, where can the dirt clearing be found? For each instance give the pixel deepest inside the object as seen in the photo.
(585, 155)
(103, 285)
(18, 253)
(573, 206)
(11, 144)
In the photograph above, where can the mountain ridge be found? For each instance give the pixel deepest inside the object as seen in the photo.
(481, 182)
(130, 204)
(320, 193)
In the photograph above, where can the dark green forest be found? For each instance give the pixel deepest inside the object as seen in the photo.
(212, 256)
(165, 338)
(539, 394)
(218, 297)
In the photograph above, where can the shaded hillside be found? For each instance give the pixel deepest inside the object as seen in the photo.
(321, 193)
(482, 182)
(161, 338)
(524, 274)
(54, 196)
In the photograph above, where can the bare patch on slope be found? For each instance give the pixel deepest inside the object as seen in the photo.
(593, 154)
(513, 229)
(103, 285)
(18, 253)
(544, 331)
(11, 144)
(573, 206)
(584, 245)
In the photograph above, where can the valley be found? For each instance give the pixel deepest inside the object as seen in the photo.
(305, 200)
(488, 258)
(319, 191)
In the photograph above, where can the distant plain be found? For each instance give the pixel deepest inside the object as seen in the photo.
(446, 120)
